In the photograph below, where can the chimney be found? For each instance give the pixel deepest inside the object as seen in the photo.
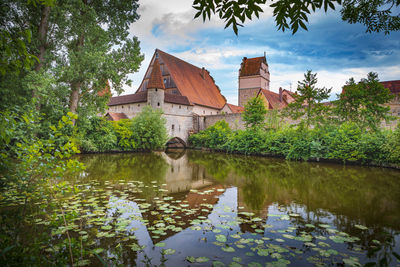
(203, 72)
(280, 94)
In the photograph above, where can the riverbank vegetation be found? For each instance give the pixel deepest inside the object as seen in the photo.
(347, 130)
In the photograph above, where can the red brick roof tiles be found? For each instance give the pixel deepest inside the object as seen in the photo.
(393, 86)
(127, 99)
(156, 80)
(235, 109)
(273, 99)
(251, 66)
(114, 116)
(193, 82)
(176, 99)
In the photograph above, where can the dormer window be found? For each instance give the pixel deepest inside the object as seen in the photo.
(165, 80)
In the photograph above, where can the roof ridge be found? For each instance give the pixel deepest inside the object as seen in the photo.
(180, 59)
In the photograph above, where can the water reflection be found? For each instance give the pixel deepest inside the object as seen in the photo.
(341, 196)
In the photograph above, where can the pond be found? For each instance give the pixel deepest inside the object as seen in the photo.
(209, 209)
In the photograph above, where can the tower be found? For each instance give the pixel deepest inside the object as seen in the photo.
(155, 87)
(253, 76)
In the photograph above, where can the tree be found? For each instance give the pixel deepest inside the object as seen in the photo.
(254, 113)
(364, 102)
(307, 105)
(148, 129)
(289, 15)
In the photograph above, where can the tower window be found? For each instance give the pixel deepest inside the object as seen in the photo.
(165, 80)
(156, 89)
(180, 107)
(158, 104)
(173, 127)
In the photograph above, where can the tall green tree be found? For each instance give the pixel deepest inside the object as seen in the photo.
(308, 106)
(376, 16)
(364, 102)
(254, 113)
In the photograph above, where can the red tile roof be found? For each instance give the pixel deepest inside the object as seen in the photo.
(194, 83)
(127, 99)
(156, 80)
(235, 109)
(176, 99)
(114, 116)
(251, 66)
(273, 99)
(393, 86)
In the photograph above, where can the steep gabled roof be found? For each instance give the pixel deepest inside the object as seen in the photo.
(115, 116)
(127, 99)
(194, 83)
(251, 66)
(393, 86)
(176, 99)
(273, 99)
(235, 109)
(156, 80)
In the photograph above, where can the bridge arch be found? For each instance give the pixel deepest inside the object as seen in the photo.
(176, 142)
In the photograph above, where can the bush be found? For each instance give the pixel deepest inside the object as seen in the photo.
(97, 135)
(392, 146)
(124, 133)
(148, 129)
(343, 143)
(214, 136)
(246, 141)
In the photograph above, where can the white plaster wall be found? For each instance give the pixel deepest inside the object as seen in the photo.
(176, 109)
(155, 98)
(226, 110)
(129, 109)
(202, 111)
(179, 126)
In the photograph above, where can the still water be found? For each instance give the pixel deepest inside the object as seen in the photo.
(207, 209)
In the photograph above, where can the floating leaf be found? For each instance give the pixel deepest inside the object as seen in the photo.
(220, 238)
(191, 259)
(218, 264)
(202, 259)
(361, 227)
(228, 249)
(160, 244)
(168, 251)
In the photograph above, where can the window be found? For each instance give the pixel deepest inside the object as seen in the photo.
(179, 128)
(156, 89)
(173, 127)
(204, 112)
(180, 107)
(165, 80)
(138, 105)
(158, 104)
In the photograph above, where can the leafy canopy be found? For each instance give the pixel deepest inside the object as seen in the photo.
(307, 105)
(376, 15)
(364, 102)
(254, 113)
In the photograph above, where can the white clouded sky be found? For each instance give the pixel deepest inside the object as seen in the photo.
(332, 48)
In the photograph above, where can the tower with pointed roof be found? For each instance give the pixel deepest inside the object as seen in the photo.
(155, 87)
(253, 76)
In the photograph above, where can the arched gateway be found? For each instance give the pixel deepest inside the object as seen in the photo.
(176, 142)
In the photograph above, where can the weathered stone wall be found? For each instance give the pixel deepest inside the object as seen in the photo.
(234, 120)
(246, 94)
(155, 98)
(204, 111)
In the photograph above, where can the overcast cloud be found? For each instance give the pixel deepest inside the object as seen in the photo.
(332, 48)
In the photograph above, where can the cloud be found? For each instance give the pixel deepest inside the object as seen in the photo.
(334, 49)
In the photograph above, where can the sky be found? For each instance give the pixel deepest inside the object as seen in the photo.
(334, 49)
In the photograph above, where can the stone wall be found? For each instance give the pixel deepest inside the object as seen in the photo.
(246, 94)
(234, 120)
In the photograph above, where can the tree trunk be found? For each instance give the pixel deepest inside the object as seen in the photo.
(43, 29)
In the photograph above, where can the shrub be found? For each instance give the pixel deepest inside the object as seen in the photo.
(392, 146)
(343, 143)
(97, 135)
(148, 129)
(214, 136)
(246, 141)
(124, 133)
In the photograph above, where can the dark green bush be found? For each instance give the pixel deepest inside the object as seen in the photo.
(148, 129)
(246, 141)
(124, 133)
(214, 136)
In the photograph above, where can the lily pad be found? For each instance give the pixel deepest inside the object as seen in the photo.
(228, 249)
(202, 259)
(361, 227)
(218, 264)
(168, 251)
(160, 244)
(220, 238)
